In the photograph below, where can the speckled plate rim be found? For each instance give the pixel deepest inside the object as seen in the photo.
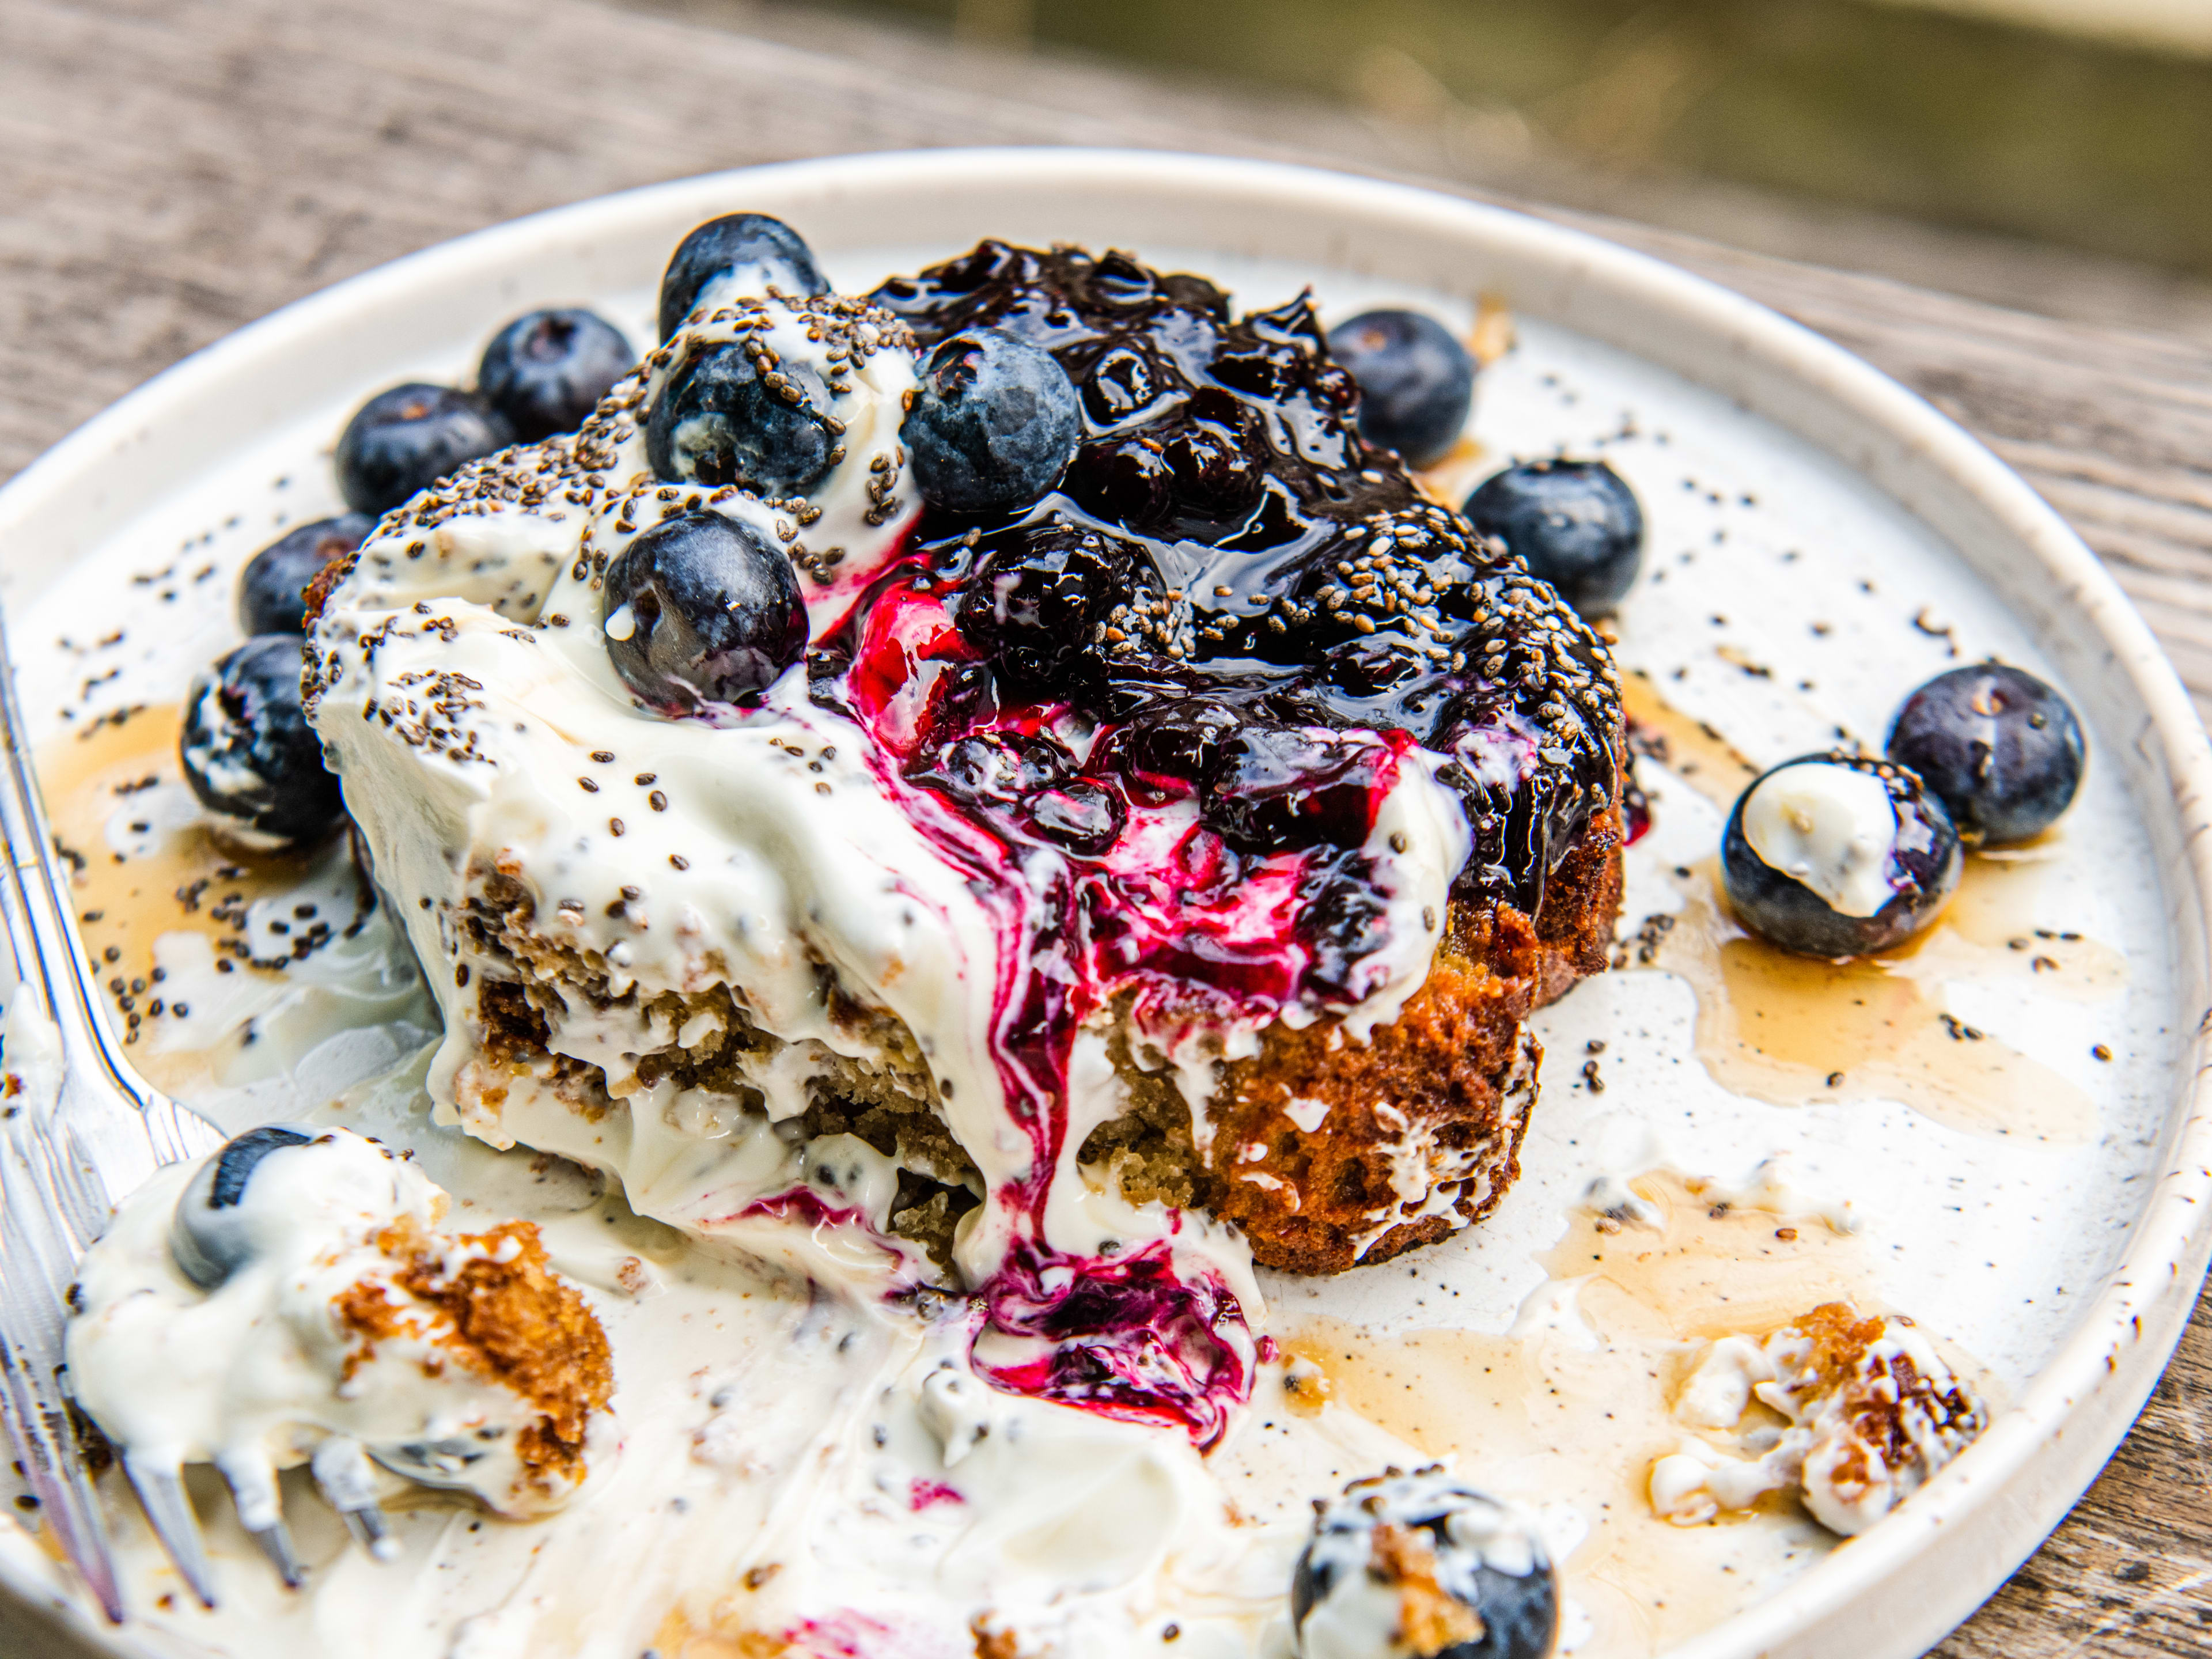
(1899, 1589)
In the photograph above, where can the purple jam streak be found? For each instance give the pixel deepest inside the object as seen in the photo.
(1123, 1336)
(1153, 717)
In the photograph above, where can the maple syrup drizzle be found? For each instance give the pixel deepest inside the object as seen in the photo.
(1793, 1031)
(1579, 1415)
(1690, 748)
(188, 879)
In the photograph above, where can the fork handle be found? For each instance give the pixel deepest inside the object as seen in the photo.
(77, 1129)
(131, 1127)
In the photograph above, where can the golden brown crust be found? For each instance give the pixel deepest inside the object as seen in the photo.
(1431, 1620)
(1439, 1092)
(1423, 1100)
(1581, 904)
(318, 592)
(511, 1320)
(1438, 1098)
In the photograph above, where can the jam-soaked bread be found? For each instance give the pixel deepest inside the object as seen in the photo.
(1227, 579)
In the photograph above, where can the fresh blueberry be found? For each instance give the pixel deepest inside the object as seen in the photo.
(1422, 1534)
(1416, 381)
(547, 371)
(994, 424)
(407, 439)
(271, 588)
(717, 422)
(1574, 524)
(1839, 855)
(703, 611)
(740, 255)
(2000, 749)
(247, 749)
(208, 1243)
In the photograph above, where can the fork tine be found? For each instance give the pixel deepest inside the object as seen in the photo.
(369, 1530)
(275, 1543)
(86, 1129)
(169, 1512)
(344, 1477)
(253, 1492)
(38, 1258)
(55, 1467)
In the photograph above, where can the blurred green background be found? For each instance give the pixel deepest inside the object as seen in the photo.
(2085, 122)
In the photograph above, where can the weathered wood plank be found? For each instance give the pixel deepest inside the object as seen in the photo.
(174, 168)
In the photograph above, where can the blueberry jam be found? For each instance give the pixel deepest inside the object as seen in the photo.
(1157, 712)
(1123, 1335)
(1226, 556)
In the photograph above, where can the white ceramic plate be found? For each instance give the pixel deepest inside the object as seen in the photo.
(1786, 484)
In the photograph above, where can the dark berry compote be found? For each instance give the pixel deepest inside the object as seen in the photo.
(1231, 584)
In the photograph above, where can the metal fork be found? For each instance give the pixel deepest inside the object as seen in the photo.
(70, 1146)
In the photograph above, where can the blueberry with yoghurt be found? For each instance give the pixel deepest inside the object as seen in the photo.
(1839, 855)
(215, 1232)
(246, 748)
(737, 414)
(703, 611)
(1422, 1566)
(737, 256)
(301, 1302)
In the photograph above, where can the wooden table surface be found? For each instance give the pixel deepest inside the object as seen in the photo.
(170, 169)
